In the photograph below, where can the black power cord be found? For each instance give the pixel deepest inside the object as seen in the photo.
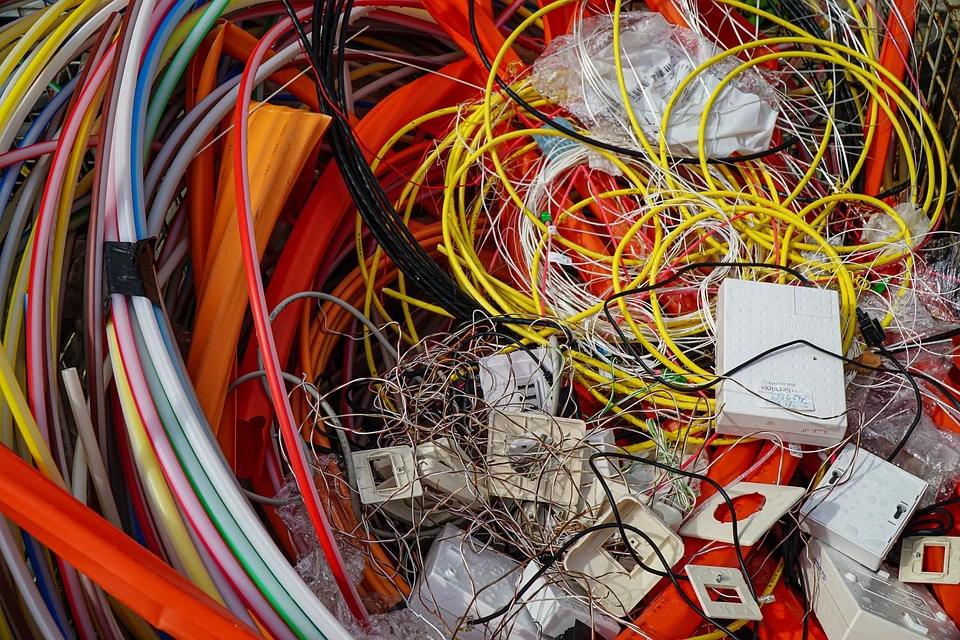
(622, 528)
(549, 560)
(874, 336)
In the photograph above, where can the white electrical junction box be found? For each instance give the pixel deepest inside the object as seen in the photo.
(535, 458)
(861, 505)
(608, 571)
(855, 603)
(464, 579)
(516, 381)
(796, 393)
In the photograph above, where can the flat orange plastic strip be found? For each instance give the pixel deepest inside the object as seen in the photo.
(103, 553)
(281, 142)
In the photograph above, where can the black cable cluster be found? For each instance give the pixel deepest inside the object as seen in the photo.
(325, 49)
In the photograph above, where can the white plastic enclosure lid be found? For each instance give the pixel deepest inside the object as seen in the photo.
(861, 505)
(460, 580)
(796, 393)
(854, 602)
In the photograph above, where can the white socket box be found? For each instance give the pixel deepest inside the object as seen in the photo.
(387, 474)
(463, 579)
(444, 468)
(515, 381)
(855, 603)
(796, 393)
(533, 457)
(555, 611)
(861, 505)
(618, 587)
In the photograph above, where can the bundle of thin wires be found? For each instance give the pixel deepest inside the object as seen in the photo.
(245, 241)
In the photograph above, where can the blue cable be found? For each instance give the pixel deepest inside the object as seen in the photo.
(145, 80)
(44, 584)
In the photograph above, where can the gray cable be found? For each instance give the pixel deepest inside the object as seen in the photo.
(356, 313)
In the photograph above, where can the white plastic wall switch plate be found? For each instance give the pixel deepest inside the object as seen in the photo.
(534, 457)
(386, 474)
(861, 505)
(796, 393)
(618, 584)
(778, 500)
(462, 579)
(441, 467)
(703, 578)
(912, 554)
(555, 611)
(855, 603)
(515, 381)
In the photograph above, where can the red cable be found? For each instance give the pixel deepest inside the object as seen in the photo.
(258, 308)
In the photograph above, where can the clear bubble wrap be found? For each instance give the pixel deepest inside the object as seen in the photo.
(578, 71)
(938, 277)
(887, 411)
(313, 567)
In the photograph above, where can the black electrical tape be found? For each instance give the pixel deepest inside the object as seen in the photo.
(129, 270)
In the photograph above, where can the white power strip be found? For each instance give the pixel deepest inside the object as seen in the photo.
(855, 603)
(796, 393)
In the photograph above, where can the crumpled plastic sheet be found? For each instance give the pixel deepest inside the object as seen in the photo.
(313, 567)
(938, 277)
(881, 227)
(578, 71)
(931, 453)
(913, 317)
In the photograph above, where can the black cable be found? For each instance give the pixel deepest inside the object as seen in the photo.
(791, 548)
(917, 395)
(631, 153)
(937, 337)
(931, 515)
(671, 278)
(326, 55)
(910, 376)
(682, 472)
(623, 528)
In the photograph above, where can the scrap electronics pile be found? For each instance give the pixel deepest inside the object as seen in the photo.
(430, 319)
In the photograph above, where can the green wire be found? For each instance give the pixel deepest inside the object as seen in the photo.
(163, 92)
(282, 602)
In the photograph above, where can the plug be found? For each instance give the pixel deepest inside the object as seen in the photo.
(870, 329)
